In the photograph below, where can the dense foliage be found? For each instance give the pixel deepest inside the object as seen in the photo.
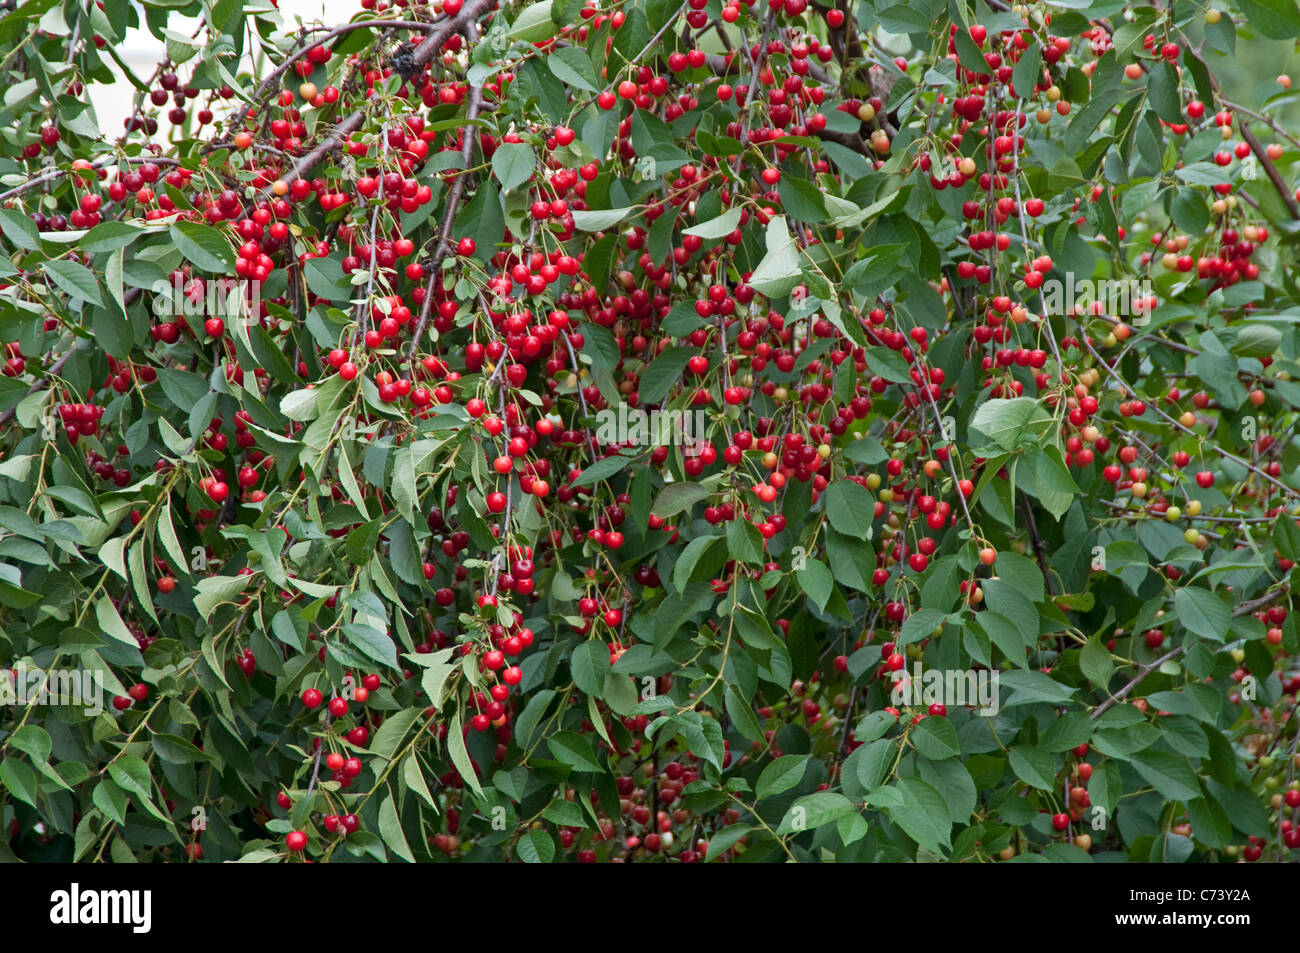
(969, 330)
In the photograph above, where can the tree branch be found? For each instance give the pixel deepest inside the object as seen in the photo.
(424, 53)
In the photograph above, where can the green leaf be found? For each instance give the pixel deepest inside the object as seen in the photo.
(1069, 731)
(603, 469)
(110, 236)
(658, 378)
(1007, 421)
(1162, 91)
(725, 839)
(1095, 662)
(778, 271)
(935, 738)
(1257, 340)
(676, 497)
(513, 164)
(1202, 613)
(718, 228)
(1035, 687)
(802, 200)
(781, 775)
(534, 24)
(20, 229)
(589, 664)
(393, 731)
(110, 622)
(300, 404)
(1168, 774)
(176, 750)
(536, 847)
(866, 450)
(460, 755)
(920, 625)
(1034, 766)
(75, 280)
(600, 220)
(204, 246)
(922, 814)
(1275, 19)
(483, 220)
(132, 775)
(744, 543)
(574, 750)
(34, 741)
(572, 66)
(888, 364)
(108, 797)
(1053, 485)
(390, 829)
(816, 582)
(813, 810)
(20, 780)
(740, 711)
(850, 508)
(372, 643)
(692, 556)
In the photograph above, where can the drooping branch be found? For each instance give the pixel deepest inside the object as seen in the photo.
(423, 55)
(272, 78)
(1288, 198)
(1246, 608)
